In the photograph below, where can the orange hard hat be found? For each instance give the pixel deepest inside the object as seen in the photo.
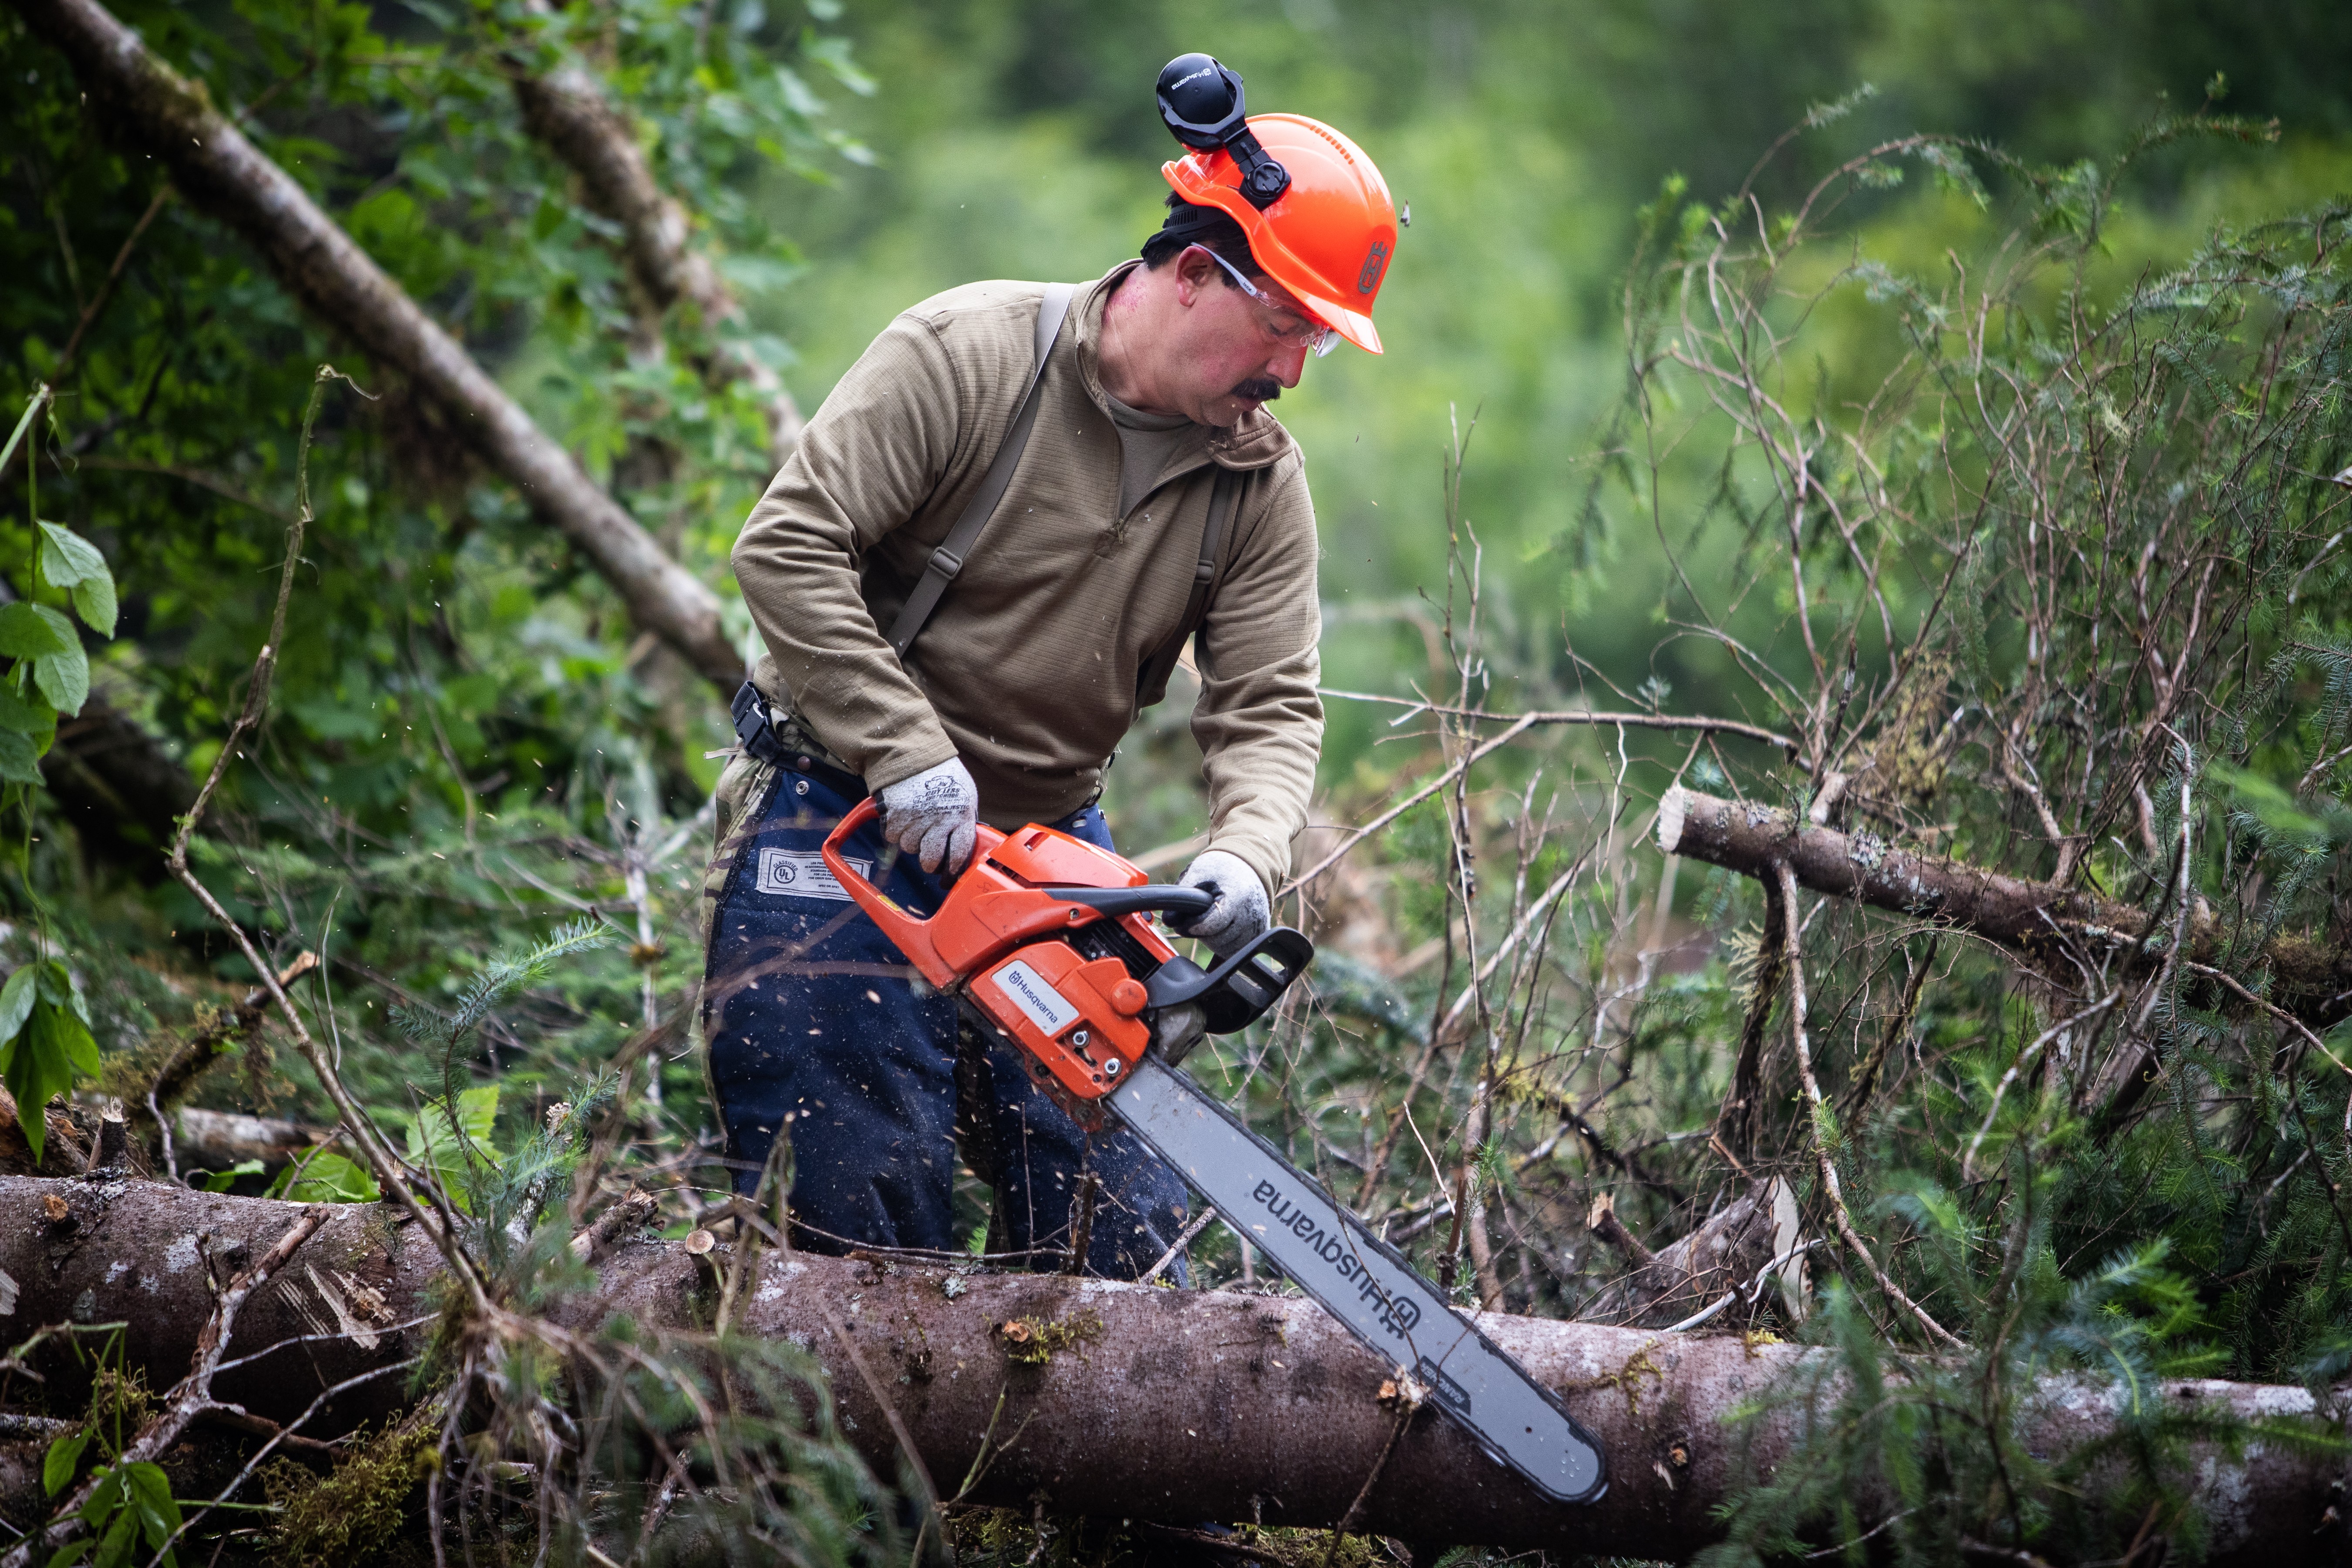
(1327, 237)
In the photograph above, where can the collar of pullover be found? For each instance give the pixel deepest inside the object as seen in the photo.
(1256, 440)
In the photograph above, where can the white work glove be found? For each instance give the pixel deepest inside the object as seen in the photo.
(933, 816)
(1239, 917)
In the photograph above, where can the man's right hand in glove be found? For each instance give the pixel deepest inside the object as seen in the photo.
(933, 816)
(1240, 915)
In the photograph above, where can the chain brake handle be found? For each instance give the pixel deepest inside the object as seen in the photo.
(1239, 990)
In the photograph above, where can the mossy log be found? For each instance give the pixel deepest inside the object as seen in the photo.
(1175, 1406)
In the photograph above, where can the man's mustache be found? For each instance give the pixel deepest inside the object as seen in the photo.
(1258, 389)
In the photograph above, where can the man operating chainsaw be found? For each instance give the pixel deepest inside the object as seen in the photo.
(983, 560)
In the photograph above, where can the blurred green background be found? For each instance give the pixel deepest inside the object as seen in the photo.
(1018, 138)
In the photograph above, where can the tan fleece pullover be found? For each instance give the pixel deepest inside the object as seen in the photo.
(1027, 670)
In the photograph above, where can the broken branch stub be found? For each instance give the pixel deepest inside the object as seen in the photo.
(2038, 920)
(1748, 1249)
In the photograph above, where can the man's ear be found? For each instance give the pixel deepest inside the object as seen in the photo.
(1194, 273)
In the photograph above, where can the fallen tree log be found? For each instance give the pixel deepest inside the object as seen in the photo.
(150, 109)
(1164, 1404)
(2043, 921)
(217, 1140)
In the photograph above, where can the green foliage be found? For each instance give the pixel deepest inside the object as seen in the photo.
(452, 1147)
(359, 1504)
(45, 1045)
(803, 1494)
(45, 1041)
(129, 1514)
(50, 675)
(223, 1181)
(316, 1176)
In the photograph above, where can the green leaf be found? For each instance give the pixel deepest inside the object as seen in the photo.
(435, 1144)
(66, 558)
(16, 1000)
(42, 1064)
(76, 998)
(27, 633)
(35, 1123)
(478, 1111)
(59, 989)
(105, 1494)
(93, 601)
(64, 1458)
(150, 1495)
(20, 763)
(63, 677)
(222, 1181)
(26, 718)
(70, 1037)
(121, 1537)
(323, 1176)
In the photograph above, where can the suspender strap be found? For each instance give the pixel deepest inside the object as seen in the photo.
(1152, 680)
(956, 548)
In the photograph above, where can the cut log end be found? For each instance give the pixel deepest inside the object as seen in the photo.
(1672, 810)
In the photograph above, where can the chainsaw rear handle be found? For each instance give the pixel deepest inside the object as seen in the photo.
(911, 932)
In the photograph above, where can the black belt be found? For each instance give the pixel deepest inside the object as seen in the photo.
(761, 743)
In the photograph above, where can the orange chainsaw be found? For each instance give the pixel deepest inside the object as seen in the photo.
(1047, 943)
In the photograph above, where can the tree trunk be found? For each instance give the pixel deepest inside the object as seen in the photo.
(568, 112)
(2310, 978)
(1175, 1406)
(149, 107)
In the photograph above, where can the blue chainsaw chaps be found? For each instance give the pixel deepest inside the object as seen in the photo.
(821, 1031)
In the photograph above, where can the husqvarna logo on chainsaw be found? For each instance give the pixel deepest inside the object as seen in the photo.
(1399, 1315)
(1374, 265)
(1027, 990)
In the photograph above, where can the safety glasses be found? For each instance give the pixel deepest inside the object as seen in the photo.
(1309, 333)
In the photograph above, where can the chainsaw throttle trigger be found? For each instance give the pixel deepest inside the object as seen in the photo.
(1233, 994)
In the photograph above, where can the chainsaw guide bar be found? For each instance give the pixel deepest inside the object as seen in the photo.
(1047, 942)
(1364, 1282)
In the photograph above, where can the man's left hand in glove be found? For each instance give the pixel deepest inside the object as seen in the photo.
(1240, 915)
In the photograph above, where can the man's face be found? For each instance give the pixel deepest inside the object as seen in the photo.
(1233, 352)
